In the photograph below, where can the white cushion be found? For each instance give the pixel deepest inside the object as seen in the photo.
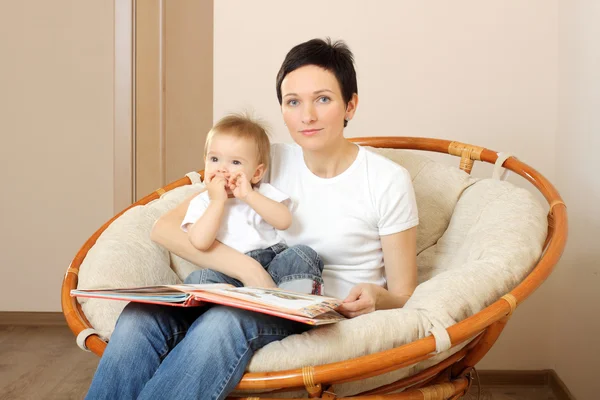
(476, 241)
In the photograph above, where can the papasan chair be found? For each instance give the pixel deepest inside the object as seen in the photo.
(484, 246)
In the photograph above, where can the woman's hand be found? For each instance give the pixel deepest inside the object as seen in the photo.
(361, 300)
(239, 185)
(216, 186)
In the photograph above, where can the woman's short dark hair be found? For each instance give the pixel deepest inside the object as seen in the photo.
(334, 57)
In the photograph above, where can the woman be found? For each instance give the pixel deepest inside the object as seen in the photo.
(353, 207)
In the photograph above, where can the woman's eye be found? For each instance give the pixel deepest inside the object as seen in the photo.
(236, 162)
(324, 99)
(292, 103)
(214, 159)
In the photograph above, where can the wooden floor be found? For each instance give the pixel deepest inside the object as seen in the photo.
(45, 363)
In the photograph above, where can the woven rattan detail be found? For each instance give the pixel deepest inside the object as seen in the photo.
(550, 222)
(465, 150)
(160, 191)
(551, 214)
(435, 392)
(308, 376)
(467, 154)
(73, 271)
(512, 302)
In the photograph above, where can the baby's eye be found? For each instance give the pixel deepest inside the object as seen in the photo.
(214, 159)
(323, 99)
(292, 103)
(236, 162)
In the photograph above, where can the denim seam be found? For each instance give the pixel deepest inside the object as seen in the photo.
(306, 258)
(300, 276)
(278, 248)
(166, 352)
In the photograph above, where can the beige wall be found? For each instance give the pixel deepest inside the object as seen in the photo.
(577, 314)
(56, 122)
(480, 72)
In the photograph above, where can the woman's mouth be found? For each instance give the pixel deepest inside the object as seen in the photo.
(310, 132)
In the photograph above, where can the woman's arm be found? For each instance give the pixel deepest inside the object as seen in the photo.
(219, 257)
(276, 214)
(400, 257)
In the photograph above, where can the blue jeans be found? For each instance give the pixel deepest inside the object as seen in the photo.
(297, 268)
(162, 352)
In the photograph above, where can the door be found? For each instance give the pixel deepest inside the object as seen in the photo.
(173, 89)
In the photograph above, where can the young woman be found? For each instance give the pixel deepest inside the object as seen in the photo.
(353, 207)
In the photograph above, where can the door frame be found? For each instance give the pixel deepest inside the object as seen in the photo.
(124, 104)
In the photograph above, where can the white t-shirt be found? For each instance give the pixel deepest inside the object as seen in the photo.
(242, 228)
(342, 218)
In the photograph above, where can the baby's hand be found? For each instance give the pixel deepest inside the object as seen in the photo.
(216, 188)
(240, 185)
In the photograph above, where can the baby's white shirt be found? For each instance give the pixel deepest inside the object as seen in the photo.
(242, 228)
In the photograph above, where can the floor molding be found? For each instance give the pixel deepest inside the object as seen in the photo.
(31, 318)
(527, 378)
(558, 387)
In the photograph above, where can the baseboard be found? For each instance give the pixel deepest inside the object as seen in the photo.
(548, 378)
(24, 318)
(513, 377)
(558, 387)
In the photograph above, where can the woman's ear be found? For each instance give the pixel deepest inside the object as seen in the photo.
(351, 107)
(258, 174)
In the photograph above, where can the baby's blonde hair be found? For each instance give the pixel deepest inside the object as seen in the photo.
(243, 126)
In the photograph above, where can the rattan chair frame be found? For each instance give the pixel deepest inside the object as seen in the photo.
(448, 379)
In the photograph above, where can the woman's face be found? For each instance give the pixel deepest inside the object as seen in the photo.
(313, 108)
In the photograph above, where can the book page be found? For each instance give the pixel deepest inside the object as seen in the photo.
(303, 304)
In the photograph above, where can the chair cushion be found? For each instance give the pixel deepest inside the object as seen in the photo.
(437, 189)
(125, 256)
(476, 241)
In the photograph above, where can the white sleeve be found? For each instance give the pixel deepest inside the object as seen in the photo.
(395, 203)
(196, 208)
(277, 195)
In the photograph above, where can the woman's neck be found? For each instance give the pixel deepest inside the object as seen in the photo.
(331, 162)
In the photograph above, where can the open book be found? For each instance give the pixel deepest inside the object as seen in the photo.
(306, 308)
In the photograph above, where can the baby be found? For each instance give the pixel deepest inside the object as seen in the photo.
(245, 214)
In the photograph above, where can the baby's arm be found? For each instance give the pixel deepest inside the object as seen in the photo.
(203, 232)
(168, 233)
(275, 213)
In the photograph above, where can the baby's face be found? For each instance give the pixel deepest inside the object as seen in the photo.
(228, 154)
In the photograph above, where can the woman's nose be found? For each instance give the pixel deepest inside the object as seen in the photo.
(309, 116)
